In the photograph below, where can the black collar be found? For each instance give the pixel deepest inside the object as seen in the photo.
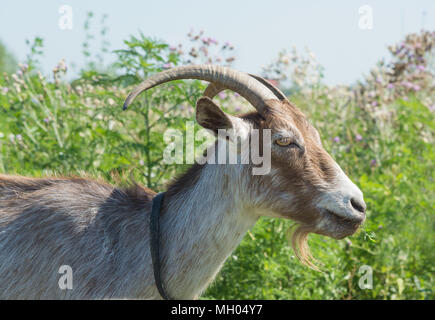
(154, 243)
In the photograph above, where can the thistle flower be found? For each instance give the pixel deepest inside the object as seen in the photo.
(222, 95)
(204, 50)
(408, 84)
(62, 65)
(358, 137)
(212, 41)
(24, 67)
(337, 139)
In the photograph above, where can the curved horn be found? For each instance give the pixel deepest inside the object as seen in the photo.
(214, 88)
(240, 82)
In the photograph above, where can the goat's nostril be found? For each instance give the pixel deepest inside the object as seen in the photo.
(357, 205)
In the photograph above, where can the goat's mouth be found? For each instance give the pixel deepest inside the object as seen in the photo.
(338, 226)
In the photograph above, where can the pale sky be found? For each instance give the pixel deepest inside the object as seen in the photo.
(258, 29)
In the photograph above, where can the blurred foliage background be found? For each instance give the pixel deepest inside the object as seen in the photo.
(380, 130)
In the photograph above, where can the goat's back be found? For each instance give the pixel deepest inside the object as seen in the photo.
(100, 231)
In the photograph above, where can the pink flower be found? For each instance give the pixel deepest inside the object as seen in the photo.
(213, 41)
(5, 89)
(374, 103)
(373, 162)
(204, 50)
(337, 139)
(274, 82)
(390, 86)
(358, 137)
(407, 84)
(23, 67)
(222, 95)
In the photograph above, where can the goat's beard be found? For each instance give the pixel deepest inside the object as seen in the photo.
(299, 242)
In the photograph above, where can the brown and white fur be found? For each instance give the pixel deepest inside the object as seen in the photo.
(101, 231)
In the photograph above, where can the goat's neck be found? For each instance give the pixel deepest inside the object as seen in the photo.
(201, 226)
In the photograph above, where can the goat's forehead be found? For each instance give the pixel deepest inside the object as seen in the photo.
(288, 120)
(281, 118)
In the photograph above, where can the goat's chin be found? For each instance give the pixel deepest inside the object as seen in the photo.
(336, 227)
(339, 232)
(299, 240)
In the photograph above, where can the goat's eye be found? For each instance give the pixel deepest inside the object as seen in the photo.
(286, 142)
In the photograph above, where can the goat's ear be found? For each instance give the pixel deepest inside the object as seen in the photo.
(211, 117)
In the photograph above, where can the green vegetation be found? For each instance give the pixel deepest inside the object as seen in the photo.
(381, 132)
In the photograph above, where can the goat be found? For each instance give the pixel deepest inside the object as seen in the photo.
(102, 232)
